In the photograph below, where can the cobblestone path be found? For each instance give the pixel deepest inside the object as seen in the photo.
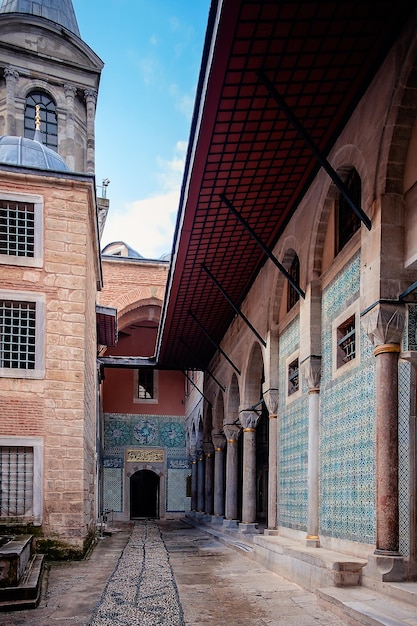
(142, 589)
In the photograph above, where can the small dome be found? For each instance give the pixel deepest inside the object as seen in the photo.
(30, 153)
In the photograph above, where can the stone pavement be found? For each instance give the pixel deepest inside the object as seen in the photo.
(168, 574)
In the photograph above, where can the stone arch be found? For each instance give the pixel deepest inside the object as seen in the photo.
(344, 159)
(218, 413)
(289, 250)
(399, 123)
(149, 310)
(253, 378)
(232, 413)
(24, 88)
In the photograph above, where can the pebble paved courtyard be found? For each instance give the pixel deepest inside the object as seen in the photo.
(169, 574)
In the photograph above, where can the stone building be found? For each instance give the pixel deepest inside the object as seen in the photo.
(145, 463)
(293, 287)
(50, 274)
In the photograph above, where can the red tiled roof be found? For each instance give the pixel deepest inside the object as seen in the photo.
(320, 57)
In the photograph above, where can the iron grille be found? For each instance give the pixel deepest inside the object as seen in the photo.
(17, 228)
(16, 481)
(17, 334)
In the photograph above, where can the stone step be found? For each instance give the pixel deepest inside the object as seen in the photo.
(365, 607)
(309, 567)
(26, 594)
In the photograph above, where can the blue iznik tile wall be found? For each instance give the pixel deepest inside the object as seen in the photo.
(122, 432)
(405, 409)
(347, 424)
(292, 442)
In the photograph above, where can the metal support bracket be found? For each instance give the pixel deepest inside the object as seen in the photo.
(262, 245)
(235, 308)
(215, 344)
(203, 369)
(315, 150)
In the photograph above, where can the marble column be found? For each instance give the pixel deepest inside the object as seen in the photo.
(200, 481)
(70, 93)
(219, 443)
(249, 421)
(194, 482)
(311, 369)
(91, 100)
(270, 397)
(11, 76)
(232, 432)
(384, 323)
(209, 475)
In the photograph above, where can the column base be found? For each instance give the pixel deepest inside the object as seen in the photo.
(248, 529)
(273, 532)
(216, 520)
(386, 567)
(230, 524)
(313, 541)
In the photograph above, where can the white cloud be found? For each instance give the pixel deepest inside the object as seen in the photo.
(147, 224)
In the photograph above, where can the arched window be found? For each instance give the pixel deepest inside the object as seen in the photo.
(294, 272)
(347, 222)
(49, 125)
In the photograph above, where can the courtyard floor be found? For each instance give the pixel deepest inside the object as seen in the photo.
(168, 574)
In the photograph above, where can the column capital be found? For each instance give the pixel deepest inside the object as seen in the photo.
(249, 420)
(208, 448)
(271, 397)
(90, 95)
(232, 432)
(219, 441)
(10, 74)
(384, 323)
(70, 90)
(311, 370)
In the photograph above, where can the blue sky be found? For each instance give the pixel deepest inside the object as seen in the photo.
(152, 53)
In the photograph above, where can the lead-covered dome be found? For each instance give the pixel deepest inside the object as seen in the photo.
(30, 153)
(59, 11)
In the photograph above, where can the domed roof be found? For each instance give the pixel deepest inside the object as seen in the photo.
(30, 153)
(59, 11)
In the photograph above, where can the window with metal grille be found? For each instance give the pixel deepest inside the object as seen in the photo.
(146, 383)
(49, 125)
(17, 228)
(347, 222)
(294, 272)
(346, 342)
(293, 377)
(16, 481)
(17, 334)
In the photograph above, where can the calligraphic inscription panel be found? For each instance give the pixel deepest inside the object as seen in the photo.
(145, 456)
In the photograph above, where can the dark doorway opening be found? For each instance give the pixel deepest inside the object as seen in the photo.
(144, 494)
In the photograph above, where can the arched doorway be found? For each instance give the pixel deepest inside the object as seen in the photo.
(144, 494)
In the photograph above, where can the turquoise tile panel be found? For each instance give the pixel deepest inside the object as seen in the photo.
(347, 425)
(292, 443)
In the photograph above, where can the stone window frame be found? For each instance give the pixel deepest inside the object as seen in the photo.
(38, 205)
(154, 399)
(48, 115)
(290, 397)
(39, 300)
(37, 444)
(338, 368)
